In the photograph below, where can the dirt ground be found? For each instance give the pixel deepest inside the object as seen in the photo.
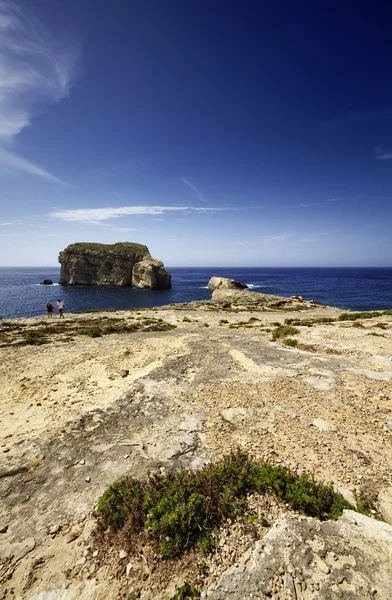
(78, 412)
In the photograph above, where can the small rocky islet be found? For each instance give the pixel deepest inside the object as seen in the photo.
(121, 264)
(303, 390)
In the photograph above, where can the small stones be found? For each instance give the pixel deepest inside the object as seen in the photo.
(122, 554)
(124, 373)
(3, 528)
(82, 462)
(54, 529)
(324, 426)
(324, 568)
(88, 479)
(73, 534)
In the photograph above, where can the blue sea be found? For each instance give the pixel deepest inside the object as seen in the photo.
(21, 294)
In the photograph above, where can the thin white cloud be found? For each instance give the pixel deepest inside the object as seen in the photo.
(88, 215)
(36, 70)
(194, 189)
(4, 223)
(124, 229)
(381, 155)
(15, 163)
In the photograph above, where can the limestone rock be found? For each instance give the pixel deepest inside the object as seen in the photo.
(47, 282)
(18, 550)
(385, 504)
(216, 283)
(350, 557)
(325, 426)
(149, 273)
(123, 264)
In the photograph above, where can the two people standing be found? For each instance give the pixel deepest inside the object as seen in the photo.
(59, 306)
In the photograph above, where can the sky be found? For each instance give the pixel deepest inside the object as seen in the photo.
(217, 133)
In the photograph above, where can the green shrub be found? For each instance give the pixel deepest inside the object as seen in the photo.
(291, 342)
(35, 337)
(182, 509)
(186, 592)
(283, 331)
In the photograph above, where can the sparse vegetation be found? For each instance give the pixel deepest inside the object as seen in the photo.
(291, 342)
(186, 592)
(358, 324)
(363, 315)
(35, 337)
(279, 333)
(182, 509)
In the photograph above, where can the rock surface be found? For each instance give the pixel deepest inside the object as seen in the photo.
(78, 412)
(112, 264)
(304, 559)
(149, 273)
(216, 283)
(47, 282)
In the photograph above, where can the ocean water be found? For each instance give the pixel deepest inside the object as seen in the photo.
(21, 294)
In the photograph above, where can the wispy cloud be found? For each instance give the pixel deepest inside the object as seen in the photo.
(311, 204)
(124, 229)
(381, 154)
(4, 223)
(195, 190)
(360, 116)
(92, 215)
(36, 70)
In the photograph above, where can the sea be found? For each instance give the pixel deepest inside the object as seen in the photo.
(23, 295)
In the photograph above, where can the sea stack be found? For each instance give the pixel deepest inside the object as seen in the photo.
(122, 264)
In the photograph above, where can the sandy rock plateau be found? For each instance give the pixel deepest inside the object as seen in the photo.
(100, 395)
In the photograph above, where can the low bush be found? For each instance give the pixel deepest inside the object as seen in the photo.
(283, 331)
(182, 509)
(291, 342)
(186, 592)
(35, 337)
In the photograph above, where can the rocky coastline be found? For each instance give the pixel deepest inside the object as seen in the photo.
(103, 395)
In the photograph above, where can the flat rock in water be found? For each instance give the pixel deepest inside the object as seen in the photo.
(225, 283)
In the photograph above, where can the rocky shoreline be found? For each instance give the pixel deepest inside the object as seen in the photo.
(106, 394)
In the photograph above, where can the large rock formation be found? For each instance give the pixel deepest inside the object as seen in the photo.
(219, 283)
(122, 264)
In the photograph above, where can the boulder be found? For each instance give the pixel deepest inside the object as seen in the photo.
(348, 558)
(112, 264)
(47, 282)
(224, 283)
(385, 504)
(149, 273)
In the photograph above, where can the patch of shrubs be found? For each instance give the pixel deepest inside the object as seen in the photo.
(186, 592)
(290, 342)
(363, 315)
(279, 333)
(35, 337)
(182, 509)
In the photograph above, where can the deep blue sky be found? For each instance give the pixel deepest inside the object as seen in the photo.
(218, 133)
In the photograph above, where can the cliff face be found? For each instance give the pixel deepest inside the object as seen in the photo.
(112, 264)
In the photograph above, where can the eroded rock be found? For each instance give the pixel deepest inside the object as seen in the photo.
(348, 558)
(122, 264)
(225, 283)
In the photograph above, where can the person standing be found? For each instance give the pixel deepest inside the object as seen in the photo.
(60, 307)
(49, 310)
